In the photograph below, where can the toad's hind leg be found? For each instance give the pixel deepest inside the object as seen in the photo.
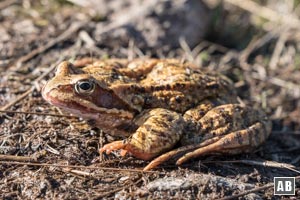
(233, 143)
(225, 129)
(241, 129)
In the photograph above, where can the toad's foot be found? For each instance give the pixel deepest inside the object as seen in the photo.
(113, 146)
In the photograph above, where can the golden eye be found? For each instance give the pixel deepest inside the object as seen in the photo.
(84, 86)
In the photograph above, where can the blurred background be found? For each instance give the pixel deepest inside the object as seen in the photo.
(255, 43)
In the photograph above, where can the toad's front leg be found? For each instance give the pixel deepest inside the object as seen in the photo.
(159, 130)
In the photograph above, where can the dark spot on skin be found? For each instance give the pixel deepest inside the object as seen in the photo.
(147, 127)
(201, 112)
(142, 90)
(170, 118)
(180, 85)
(160, 87)
(148, 100)
(225, 116)
(212, 86)
(114, 70)
(239, 137)
(115, 76)
(164, 124)
(159, 133)
(210, 122)
(178, 99)
(143, 136)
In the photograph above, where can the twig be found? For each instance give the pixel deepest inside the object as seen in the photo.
(266, 13)
(265, 163)
(187, 50)
(278, 49)
(75, 166)
(37, 113)
(248, 192)
(270, 185)
(78, 172)
(256, 44)
(17, 158)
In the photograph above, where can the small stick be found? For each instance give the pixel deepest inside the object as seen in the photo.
(75, 166)
(248, 192)
(37, 113)
(270, 185)
(260, 163)
(278, 49)
(256, 44)
(78, 172)
(17, 158)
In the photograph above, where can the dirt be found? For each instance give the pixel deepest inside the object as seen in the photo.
(44, 156)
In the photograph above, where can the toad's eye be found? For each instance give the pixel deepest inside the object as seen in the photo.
(85, 86)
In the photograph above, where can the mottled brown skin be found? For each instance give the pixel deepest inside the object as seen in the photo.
(157, 104)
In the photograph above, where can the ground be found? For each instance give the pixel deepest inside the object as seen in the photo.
(42, 156)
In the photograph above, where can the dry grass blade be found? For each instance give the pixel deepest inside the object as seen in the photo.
(265, 163)
(278, 49)
(256, 44)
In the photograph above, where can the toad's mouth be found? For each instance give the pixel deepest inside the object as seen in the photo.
(85, 108)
